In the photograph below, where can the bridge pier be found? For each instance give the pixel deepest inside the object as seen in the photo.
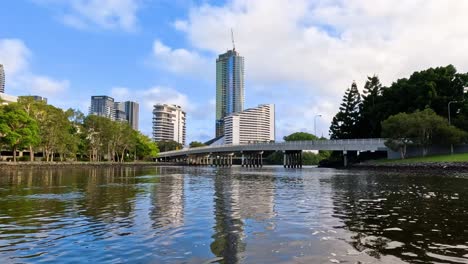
(345, 158)
(251, 160)
(292, 159)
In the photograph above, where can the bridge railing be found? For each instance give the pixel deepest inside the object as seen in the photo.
(331, 142)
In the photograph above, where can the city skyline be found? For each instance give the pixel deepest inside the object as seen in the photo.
(301, 60)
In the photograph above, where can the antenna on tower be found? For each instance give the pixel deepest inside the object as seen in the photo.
(232, 37)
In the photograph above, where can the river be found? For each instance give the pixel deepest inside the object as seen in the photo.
(232, 215)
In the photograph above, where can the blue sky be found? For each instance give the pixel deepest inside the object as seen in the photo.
(300, 55)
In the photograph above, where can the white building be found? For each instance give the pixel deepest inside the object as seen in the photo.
(251, 125)
(5, 99)
(169, 123)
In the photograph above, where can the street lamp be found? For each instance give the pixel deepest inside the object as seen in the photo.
(315, 124)
(465, 89)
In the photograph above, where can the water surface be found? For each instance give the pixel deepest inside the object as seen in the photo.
(232, 215)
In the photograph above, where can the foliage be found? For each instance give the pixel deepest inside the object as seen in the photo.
(169, 145)
(369, 123)
(63, 135)
(17, 128)
(345, 123)
(196, 144)
(300, 136)
(422, 128)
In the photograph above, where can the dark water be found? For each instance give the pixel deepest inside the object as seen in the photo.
(205, 215)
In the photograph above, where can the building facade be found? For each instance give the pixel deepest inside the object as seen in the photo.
(119, 112)
(229, 87)
(6, 99)
(251, 126)
(102, 106)
(132, 112)
(2, 79)
(169, 123)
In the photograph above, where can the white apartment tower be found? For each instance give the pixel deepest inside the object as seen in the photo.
(2, 79)
(251, 125)
(169, 123)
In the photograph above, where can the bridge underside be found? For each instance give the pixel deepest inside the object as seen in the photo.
(250, 159)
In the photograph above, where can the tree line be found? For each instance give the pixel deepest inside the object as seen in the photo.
(411, 111)
(35, 126)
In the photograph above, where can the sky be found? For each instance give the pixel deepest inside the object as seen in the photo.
(300, 55)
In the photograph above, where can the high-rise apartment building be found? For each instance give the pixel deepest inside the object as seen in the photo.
(169, 123)
(251, 126)
(102, 106)
(229, 87)
(2, 79)
(132, 111)
(119, 112)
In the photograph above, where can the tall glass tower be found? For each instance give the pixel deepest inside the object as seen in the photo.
(229, 87)
(2, 79)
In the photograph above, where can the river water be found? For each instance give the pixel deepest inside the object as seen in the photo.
(232, 215)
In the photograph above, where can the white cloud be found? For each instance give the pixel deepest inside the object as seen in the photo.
(181, 61)
(317, 48)
(107, 14)
(20, 80)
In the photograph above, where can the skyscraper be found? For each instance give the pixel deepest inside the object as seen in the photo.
(229, 87)
(119, 112)
(168, 123)
(2, 79)
(102, 106)
(132, 111)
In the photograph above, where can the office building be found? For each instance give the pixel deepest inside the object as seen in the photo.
(2, 79)
(119, 112)
(102, 106)
(132, 111)
(169, 123)
(229, 87)
(251, 126)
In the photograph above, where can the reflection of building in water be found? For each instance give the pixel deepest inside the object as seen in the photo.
(168, 201)
(229, 228)
(237, 199)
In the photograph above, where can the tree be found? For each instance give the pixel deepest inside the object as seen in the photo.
(397, 131)
(168, 145)
(421, 128)
(145, 148)
(36, 110)
(300, 136)
(17, 128)
(369, 123)
(344, 124)
(196, 144)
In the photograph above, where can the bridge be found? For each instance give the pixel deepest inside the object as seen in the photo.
(251, 155)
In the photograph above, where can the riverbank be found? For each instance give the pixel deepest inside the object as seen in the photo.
(14, 165)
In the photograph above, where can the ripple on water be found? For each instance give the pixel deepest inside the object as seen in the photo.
(54, 196)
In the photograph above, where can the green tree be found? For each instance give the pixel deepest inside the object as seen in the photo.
(17, 128)
(36, 110)
(145, 149)
(300, 136)
(345, 123)
(196, 144)
(168, 145)
(369, 122)
(397, 131)
(421, 128)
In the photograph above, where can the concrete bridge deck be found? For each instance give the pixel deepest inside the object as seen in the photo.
(291, 149)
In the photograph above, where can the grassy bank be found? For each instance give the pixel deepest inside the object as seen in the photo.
(429, 159)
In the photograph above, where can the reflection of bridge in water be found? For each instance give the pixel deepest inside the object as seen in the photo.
(251, 155)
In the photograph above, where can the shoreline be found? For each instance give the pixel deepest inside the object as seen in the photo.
(416, 166)
(21, 165)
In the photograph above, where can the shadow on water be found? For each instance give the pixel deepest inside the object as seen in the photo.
(420, 218)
